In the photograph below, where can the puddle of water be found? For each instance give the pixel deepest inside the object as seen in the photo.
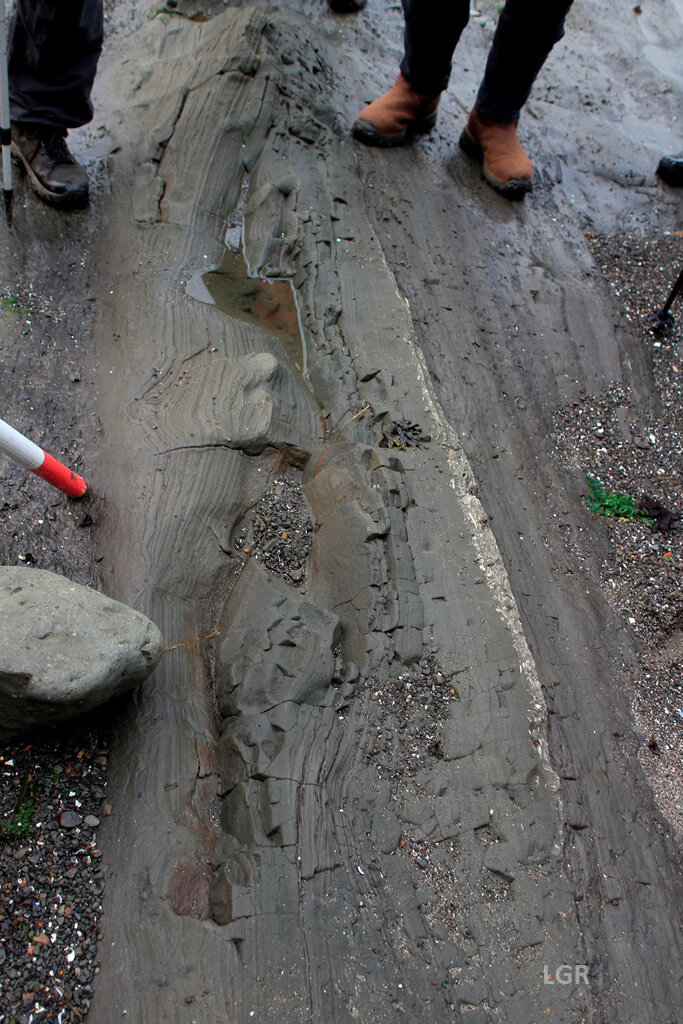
(269, 304)
(196, 288)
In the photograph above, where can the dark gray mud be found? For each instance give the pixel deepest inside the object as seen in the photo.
(46, 380)
(51, 874)
(253, 748)
(405, 785)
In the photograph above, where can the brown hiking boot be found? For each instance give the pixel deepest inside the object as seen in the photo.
(391, 119)
(505, 165)
(52, 171)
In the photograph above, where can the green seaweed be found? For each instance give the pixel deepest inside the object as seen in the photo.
(611, 503)
(198, 16)
(19, 824)
(14, 828)
(8, 304)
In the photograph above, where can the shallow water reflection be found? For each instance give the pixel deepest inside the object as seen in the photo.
(269, 305)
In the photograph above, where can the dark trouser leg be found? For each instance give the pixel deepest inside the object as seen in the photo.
(526, 33)
(433, 28)
(53, 59)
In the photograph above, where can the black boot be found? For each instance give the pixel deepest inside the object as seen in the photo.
(52, 171)
(346, 6)
(670, 169)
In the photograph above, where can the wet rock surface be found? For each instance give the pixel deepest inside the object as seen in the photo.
(275, 648)
(309, 873)
(260, 386)
(65, 649)
(273, 861)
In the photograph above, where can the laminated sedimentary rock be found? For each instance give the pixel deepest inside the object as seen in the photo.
(275, 647)
(261, 404)
(64, 649)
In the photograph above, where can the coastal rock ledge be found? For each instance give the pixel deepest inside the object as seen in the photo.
(64, 649)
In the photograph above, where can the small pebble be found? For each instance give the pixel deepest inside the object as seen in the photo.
(70, 819)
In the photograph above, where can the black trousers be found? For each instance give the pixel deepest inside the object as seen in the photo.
(54, 49)
(526, 33)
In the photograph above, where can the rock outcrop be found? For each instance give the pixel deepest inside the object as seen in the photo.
(64, 649)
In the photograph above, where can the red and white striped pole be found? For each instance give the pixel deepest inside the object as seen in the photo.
(30, 456)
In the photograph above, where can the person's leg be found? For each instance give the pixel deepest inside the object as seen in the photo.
(526, 33)
(432, 30)
(54, 51)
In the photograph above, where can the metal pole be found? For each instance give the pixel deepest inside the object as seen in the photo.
(662, 320)
(5, 127)
(30, 456)
(672, 294)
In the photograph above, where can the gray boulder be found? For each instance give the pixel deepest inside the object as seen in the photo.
(64, 649)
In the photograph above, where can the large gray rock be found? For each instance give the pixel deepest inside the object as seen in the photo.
(64, 649)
